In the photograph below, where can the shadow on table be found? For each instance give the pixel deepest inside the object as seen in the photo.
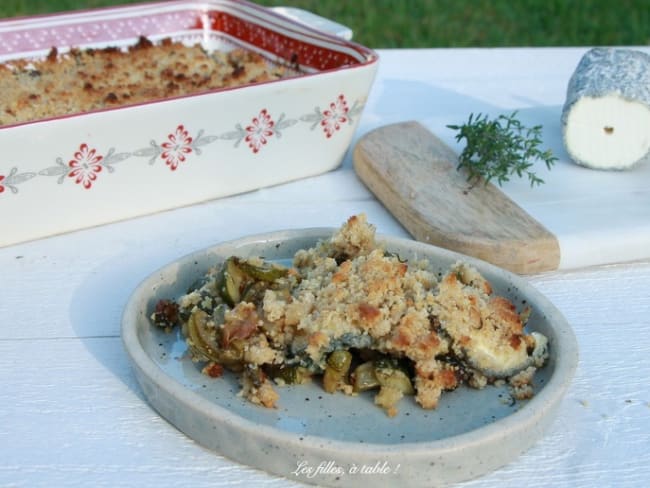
(96, 312)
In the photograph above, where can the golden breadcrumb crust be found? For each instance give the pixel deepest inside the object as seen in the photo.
(348, 293)
(83, 80)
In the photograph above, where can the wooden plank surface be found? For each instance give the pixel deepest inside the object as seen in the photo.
(413, 173)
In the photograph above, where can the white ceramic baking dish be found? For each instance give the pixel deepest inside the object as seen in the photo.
(81, 170)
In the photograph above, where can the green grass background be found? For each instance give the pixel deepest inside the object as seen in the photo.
(449, 23)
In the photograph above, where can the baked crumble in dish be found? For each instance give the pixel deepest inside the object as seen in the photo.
(86, 79)
(355, 317)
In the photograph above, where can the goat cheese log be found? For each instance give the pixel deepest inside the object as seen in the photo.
(606, 115)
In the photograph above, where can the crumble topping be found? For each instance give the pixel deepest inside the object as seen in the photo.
(361, 318)
(82, 80)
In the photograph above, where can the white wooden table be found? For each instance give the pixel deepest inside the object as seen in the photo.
(71, 413)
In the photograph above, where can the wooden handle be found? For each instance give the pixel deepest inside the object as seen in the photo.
(413, 173)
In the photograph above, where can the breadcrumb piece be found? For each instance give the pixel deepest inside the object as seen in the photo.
(388, 398)
(522, 383)
(260, 393)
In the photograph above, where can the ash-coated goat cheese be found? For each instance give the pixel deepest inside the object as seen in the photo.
(606, 115)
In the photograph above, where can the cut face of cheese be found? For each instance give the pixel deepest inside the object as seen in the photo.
(606, 115)
(608, 132)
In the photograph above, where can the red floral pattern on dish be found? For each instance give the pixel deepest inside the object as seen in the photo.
(88, 162)
(335, 116)
(247, 25)
(85, 166)
(2, 188)
(176, 148)
(309, 50)
(259, 131)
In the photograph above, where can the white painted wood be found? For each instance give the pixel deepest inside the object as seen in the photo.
(72, 415)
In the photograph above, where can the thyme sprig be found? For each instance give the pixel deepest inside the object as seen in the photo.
(500, 148)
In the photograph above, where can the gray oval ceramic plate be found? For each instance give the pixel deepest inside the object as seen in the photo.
(334, 440)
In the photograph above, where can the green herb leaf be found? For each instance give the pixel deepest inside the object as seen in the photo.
(500, 148)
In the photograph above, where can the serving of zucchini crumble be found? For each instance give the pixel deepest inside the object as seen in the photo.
(355, 317)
